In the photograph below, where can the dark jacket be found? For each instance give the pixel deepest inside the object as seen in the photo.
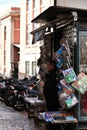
(50, 91)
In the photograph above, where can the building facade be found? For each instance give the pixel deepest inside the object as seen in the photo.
(30, 53)
(75, 4)
(17, 53)
(9, 39)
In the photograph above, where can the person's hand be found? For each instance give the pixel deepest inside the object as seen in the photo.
(41, 83)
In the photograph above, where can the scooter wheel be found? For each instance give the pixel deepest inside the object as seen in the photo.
(19, 104)
(7, 100)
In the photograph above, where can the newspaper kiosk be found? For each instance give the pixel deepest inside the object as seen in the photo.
(70, 23)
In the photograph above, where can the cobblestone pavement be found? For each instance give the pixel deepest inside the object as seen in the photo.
(13, 120)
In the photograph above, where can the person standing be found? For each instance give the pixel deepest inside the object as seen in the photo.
(50, 89)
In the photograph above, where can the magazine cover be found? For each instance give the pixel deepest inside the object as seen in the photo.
(60, 62)
(60, 51)
(66, 87)
(69, 75)
(79, 85)
(82, 76)
(47, 117)
(57, 116)
(71, 100)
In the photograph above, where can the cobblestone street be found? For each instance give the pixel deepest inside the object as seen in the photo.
(13, 120)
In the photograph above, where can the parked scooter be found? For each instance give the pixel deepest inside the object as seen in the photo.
(2, 90)
(15, 94)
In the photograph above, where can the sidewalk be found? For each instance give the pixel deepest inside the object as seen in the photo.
(13, 120)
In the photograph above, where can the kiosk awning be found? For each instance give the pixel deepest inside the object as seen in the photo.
(38, 35)
(54, 15)
(55, 12)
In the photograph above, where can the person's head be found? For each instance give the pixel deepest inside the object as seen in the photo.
(62, 40)
(51, 65)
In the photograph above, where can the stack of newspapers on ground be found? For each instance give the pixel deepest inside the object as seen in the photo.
(57, 116)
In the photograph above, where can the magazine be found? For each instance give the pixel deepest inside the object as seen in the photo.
(47, 117)
(69, 75)
(82, 76)
(60, 51)
(57, 116)
(60, 62)
(79, 85)
(71, 100)
(66, 87)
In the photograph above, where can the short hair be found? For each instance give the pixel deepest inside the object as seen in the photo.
(52, 62)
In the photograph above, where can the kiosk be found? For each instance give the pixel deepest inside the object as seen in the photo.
(72, 24)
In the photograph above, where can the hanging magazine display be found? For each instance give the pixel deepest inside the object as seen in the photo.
(66, 87)
(69, 75)
(81, 83)
(71, 100)
(60, 62)
(82, 76)
(61, 50)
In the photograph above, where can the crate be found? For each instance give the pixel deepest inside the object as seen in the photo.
(34, 105)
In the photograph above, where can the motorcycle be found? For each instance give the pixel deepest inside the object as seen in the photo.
(2, 90)
(15, 94)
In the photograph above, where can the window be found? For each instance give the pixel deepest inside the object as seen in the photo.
(29, 5)
(28, 35)
(83, 50)
(33, 68)
(42, 2)
(4, 57)
(34, 3)
(5, 45)
(27, 67)
(35, 26)
(4, 33)
(28, 32)
(83, 67)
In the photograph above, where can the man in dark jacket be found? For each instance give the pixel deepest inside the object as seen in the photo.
(50, 88)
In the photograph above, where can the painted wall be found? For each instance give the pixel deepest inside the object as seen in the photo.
(6, 23)
(29, 52)
(16, 29)
(73, 3)
(22, 38)
(7, 19)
